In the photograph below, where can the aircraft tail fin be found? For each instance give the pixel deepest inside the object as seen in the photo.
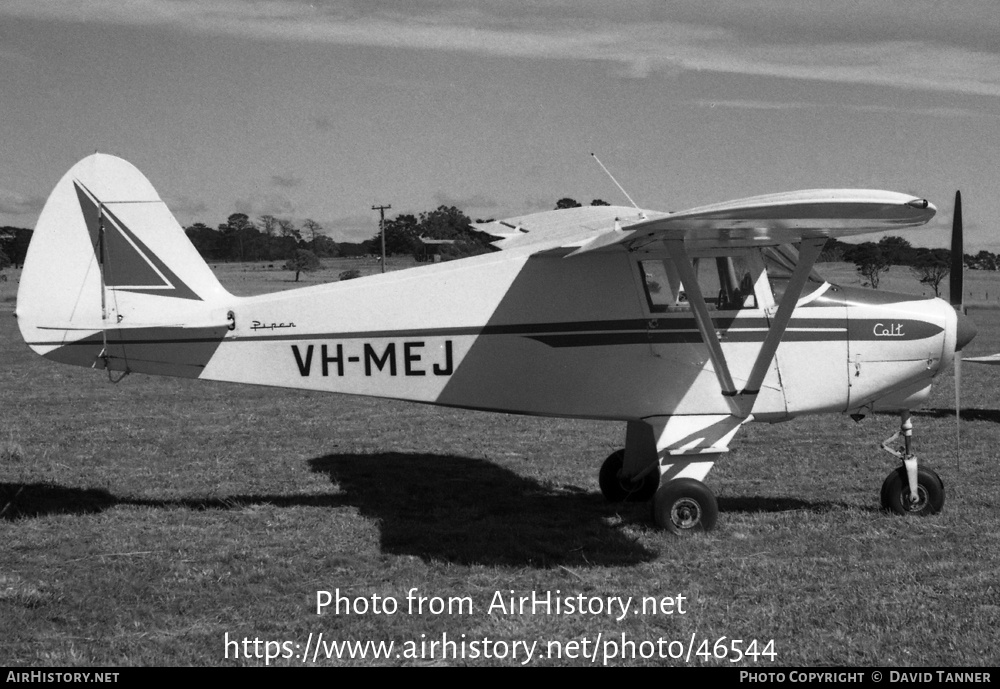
(111, 280)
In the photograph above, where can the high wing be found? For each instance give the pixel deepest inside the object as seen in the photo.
(564, 227)
(756, 221)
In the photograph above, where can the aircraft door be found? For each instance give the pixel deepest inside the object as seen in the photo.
(734, 286)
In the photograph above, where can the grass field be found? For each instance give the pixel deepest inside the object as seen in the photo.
(142, 523)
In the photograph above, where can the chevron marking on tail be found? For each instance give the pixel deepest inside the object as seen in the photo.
(128, 264)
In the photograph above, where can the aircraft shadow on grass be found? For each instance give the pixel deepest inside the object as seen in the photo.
(471, 511)
(755, 503)
(26, 500)
(436, 507)
(991, 415)
(468, 510)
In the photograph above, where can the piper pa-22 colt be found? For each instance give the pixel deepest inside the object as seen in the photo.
(684, 326)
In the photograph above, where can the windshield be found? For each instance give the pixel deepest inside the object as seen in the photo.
(780, 262)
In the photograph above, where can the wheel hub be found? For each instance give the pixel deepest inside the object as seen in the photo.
(685, 513)
(921, 502)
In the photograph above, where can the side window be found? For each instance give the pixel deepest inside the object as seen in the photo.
(736, 283)
(726, 283)
(656, 282)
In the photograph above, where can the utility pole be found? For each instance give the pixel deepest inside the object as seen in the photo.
(381, 227)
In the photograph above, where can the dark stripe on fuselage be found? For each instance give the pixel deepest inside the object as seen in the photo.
(170, 351)
(198, 344)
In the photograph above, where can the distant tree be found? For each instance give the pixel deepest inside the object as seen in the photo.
(599, 202)
(897, 251)
(984, 260)
(870, 262)
(402, 236)
(567, 202)
(444, 222)
(301, 261)
(235, 234)
(4, 260)
(14, 241)
(354, 248)
(288, 229)
(207, 241)
(931, 267)
(312, 227)
(237, 222)
(833, 252)
(448, 222)
(324, 247)
(268, 224)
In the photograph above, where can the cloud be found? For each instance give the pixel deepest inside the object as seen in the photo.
(14, 203)
(778, 38)
(940, 111)
(322, 123)
(186, 206)
(475, 201)
(285, 182)
(274, 204)
(352, 228)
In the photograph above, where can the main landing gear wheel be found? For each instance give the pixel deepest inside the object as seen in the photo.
(685, 506)
(896, 493)
(618, 488)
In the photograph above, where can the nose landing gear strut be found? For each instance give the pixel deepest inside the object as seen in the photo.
(910, 489)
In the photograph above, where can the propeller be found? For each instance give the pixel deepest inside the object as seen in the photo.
(957, 298)
(957, 256)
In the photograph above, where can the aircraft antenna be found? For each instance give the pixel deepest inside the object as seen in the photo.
(608, 173)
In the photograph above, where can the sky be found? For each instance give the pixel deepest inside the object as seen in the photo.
(323, 109)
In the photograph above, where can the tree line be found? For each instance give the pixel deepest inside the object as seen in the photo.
(270, 238)
(451, 235)
(930, 266)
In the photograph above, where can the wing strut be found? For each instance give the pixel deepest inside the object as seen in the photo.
(682, 262)
(741, 402)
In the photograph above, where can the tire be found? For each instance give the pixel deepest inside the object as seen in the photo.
(617, 488)
(685, 506)
(896, 493)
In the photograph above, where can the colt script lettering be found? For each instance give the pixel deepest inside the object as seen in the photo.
(888, 330)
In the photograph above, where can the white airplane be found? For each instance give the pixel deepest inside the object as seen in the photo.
(684, 326)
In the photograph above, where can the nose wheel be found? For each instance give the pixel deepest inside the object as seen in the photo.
(910, 489)
(896, 497)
